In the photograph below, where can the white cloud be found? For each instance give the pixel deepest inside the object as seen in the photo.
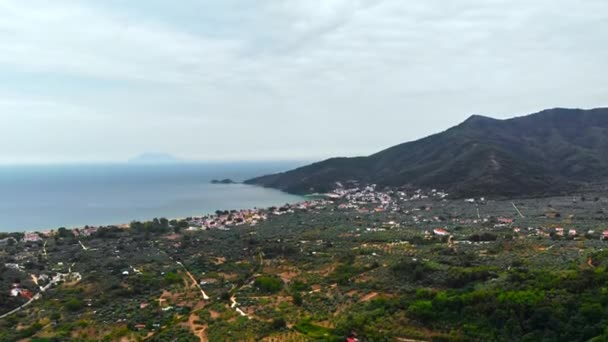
(318, 77)
(84, 41)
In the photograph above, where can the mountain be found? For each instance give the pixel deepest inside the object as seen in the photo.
(154, 158)
(552, 151)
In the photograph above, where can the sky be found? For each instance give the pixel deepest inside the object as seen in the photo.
(93, 81)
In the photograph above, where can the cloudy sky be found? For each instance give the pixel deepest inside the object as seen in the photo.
(282, 79)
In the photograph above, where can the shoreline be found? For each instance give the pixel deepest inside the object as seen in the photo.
(47, 231)
(45, 197)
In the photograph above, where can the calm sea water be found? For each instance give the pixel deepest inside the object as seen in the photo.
(44, 197)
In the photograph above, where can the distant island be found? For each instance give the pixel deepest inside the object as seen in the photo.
(223, 181)
(154, 158)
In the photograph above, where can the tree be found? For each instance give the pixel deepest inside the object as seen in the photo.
(74, 304)
(297, 299)
(268, 284)
(65, 233)
(279, 323)
(421, 309)
(186, 241)
(172, 278)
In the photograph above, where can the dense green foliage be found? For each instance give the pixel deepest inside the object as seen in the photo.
(268, 284)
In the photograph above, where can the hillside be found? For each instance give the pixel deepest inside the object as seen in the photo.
(547, 152)
(319, 271)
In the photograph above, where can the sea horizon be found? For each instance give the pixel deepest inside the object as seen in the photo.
(44, 197)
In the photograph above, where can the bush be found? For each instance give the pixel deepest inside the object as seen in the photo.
(279, 324)
(300, 286)
(422, 310)
(172, 278)
(411, 270)
(74, 304)
(483, 237)
(268, 284)
(297, 299)
(343, 273)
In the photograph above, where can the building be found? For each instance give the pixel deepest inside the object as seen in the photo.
(31, 237)
(440, 232)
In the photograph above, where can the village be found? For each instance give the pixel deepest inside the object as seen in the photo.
(367, 200)
(344, 246)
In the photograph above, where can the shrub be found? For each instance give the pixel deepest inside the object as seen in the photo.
(279, 323)
(172, 278)
(74, 304)
(422, 310)
(297, 299)
(268, 284)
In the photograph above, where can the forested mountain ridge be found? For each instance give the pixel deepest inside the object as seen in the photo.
(547, 152)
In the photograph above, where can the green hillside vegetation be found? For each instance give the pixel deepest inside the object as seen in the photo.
(550, 152)
(320, 274)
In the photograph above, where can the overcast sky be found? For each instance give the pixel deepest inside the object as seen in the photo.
(282, 79)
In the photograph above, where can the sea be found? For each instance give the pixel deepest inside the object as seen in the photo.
(42, 197)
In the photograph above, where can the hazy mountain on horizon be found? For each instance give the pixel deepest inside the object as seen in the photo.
(547, 152)
(155, 158)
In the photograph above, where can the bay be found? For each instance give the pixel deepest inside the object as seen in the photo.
(40, 197)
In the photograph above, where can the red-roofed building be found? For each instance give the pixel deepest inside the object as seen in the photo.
(440, 232)
(31, 237)
(26, 294)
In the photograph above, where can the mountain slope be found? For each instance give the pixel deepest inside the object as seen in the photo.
(547, 152)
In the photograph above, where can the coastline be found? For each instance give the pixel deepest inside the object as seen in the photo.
(123, 225)
(44, 197)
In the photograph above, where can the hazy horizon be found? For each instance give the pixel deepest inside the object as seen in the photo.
(223, 162)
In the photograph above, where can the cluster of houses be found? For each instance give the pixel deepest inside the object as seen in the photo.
(364, 195)
(546, 231)
(86, 231)
(420, 194)
(39, 236)
(227, 219)
(317, 204)
(463, 221)
(31, 237)
(368, 199)
(559, 231)
(17, 291)
(44, 282)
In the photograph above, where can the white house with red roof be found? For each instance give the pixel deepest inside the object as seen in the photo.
(440, 232)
